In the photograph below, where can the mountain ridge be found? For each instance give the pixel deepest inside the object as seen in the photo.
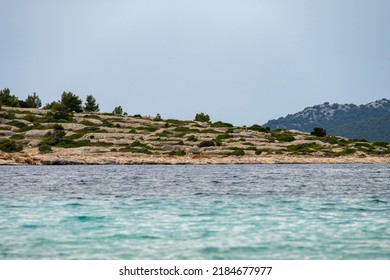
(369, 121)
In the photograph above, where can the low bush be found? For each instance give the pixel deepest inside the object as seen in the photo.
(306, 148)
(17, 124)
(259, 128)
(148, 128)
(186, 130)
(381, 144)
(260, 151)
(45, 149)
(221, 124)
(87, 123)
(223, 136)
(10, 146)
(30, 118)
(17, 137)
(192, 138)
(237, 152)
(177, 153)
(206, 143)
(286, 138)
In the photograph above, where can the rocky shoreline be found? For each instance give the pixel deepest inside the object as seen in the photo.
(77, 158)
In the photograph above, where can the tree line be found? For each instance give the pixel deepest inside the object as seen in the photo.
(69, 101)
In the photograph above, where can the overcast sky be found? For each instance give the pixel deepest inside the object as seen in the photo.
(240, 61)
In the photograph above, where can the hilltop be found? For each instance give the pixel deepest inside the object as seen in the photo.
(38, 136)
(370, 121)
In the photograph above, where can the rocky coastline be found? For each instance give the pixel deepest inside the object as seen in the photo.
(77, 157)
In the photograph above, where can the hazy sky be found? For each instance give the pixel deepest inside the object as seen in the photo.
(241, 61)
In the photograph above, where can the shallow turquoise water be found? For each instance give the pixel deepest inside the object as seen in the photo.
(195, 212)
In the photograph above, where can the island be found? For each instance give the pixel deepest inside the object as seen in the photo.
(53, 137)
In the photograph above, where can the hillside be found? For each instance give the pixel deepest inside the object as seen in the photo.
(35, 136)
(370, 121)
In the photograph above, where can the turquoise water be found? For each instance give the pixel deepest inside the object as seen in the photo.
(195, 212)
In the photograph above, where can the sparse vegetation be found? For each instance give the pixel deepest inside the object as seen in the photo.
(237, 152)
(221, 124)
(45, 149)
(109, 132)
(17, 137)
(259, 128)
(10, 146)
(207, 143)
(192, 138)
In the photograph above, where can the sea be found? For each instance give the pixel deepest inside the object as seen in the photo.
(197, 212)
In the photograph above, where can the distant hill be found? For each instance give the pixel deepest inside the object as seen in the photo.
(370, 121)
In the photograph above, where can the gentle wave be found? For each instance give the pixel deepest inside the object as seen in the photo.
(195, 212)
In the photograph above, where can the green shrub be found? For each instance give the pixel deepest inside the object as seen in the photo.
(304, 148)
(10, 115)
(218, 142)
(135, 149)
(30, 118)
(223, 136)
(17, 137)
(45, 148)
(330, 139)
(348, 151)
(92, 116)
(175, 122)
(87, 123)
(221, 124)
(148, 128)
(186, 130)
(319, 132)
(381, 144)
(212, 131)
(285, 138)
(164, 133)
(59, 111)
(206, 143)
(192, 138)
(260, 151)
(18, 124)
(54, 137)
(177, 153)
(237, 152)
(259, 128)
(107, 123)
(10, 146)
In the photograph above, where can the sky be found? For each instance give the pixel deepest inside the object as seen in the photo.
(240, 61)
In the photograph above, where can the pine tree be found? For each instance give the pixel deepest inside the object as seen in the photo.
(90, 104)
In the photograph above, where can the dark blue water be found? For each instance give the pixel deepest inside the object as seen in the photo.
(195, 212)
